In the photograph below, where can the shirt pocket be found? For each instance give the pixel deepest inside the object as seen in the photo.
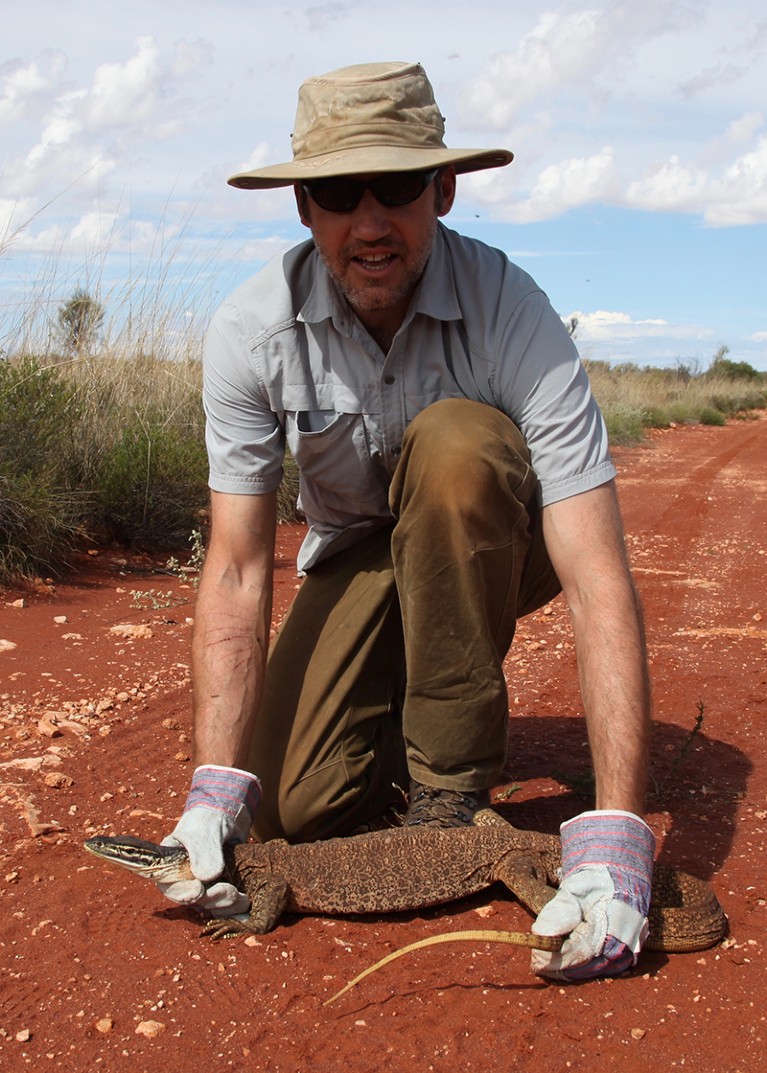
(333, 455)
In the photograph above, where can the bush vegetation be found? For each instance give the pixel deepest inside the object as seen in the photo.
(106, 448)
(634, 399)
(112, 448)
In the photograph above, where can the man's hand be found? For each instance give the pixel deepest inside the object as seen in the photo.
(603, 899)
(219, 809)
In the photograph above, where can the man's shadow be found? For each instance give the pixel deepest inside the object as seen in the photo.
(695, 781)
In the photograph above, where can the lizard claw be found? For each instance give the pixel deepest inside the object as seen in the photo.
(224, 928)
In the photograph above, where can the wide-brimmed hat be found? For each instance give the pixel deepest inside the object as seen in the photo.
(371, 117)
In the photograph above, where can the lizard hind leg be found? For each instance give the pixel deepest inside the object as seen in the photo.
(526, 878)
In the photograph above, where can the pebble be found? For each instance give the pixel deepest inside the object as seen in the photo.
(58, 780)
(129, 630)
(150, 1029)
(106, 1024)
(47, 726)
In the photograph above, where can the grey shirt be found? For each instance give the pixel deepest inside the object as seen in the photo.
(286, 359)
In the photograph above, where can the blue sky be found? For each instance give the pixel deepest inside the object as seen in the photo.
(637, 199)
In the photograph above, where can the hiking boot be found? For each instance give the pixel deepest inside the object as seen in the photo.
(432, 807)
(392, 816)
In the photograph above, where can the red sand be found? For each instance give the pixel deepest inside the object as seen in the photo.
(91, 955)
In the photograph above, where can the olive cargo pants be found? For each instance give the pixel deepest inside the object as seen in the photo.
(389, 662)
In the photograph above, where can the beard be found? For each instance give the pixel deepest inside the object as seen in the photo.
(371, 295)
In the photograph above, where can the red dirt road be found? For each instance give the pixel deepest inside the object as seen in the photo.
(91, 956)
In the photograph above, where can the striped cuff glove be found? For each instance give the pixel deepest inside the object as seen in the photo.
(219, 808)
(227, 790)
(603, 898)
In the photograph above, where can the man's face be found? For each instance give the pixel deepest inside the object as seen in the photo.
(376, 254)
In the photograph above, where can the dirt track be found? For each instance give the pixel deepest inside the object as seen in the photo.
(91, 955)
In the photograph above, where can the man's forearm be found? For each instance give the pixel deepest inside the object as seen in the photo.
(232, 622)
(228, 662)
(612, 665)
(584, 536)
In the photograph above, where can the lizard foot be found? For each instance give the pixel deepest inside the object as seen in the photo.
(229, 927)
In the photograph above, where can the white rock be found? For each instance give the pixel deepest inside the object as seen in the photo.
(150, 1029)
(129, 630)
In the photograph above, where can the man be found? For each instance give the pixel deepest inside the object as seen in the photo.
(454, 473)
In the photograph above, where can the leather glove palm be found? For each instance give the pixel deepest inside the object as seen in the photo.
(219, 809)
(603, 898)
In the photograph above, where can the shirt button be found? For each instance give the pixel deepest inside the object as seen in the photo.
(388, 379)
(396, 451)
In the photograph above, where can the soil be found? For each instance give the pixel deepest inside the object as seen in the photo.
(99, 973)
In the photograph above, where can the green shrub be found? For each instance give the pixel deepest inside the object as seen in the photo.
(37, 527)
(152, 483)
(40, 505)
(710, 416)
(655, 417)
(38, 420)
(625, 424)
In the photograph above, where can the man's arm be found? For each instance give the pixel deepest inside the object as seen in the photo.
(584, 537)
(607, 855)
(232, 622)
(229, 645)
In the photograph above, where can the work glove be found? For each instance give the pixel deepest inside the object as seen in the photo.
(219, 809)
(603, 897)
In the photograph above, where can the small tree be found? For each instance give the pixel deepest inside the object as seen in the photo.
(80, 319)
(721, 365)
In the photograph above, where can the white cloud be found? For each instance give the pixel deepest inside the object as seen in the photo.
(616, 337)
(22, 83)
(560, 50)
(320, 16)
(86, 131)
(126, 93)
(604, 325)
(744, 128)
(740, 196)
(15, 215)
(737, 196)
(568, 184)
(672, 186)
(262, 155)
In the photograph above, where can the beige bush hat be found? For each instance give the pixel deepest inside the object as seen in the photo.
(370, 117)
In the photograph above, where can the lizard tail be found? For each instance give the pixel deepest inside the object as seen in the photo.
(513, 938)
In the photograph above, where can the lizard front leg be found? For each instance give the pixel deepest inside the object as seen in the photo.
(268, 895)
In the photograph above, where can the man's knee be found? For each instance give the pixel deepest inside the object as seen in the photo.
(461, 450)
(461, 423)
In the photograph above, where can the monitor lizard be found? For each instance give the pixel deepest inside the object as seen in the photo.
(412, 868)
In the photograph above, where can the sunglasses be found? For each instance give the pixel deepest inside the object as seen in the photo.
(392, 190)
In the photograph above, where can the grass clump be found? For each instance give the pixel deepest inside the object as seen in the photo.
(151, 483)
(40, 502)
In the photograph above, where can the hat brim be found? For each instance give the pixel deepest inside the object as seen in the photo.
(373, 159)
